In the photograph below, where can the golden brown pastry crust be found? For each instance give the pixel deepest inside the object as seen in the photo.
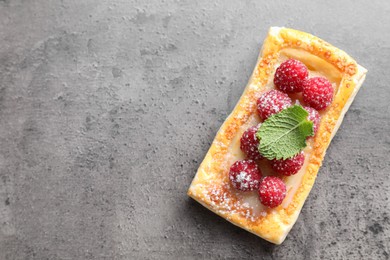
(210, 186)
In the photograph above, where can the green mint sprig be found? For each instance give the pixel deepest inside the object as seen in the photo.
(284, 134)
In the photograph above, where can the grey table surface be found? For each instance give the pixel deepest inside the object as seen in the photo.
(107, 109)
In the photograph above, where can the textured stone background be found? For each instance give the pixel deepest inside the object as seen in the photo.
(108, 107)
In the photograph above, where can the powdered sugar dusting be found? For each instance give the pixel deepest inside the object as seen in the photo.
(227, 200)
(289, 166)
(290, 75)
(245, 175)
(318, 92)
(272, 191)
(249, 143)
(313, 116)
(272, 102)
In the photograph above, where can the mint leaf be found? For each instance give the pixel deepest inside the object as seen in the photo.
(283, 135)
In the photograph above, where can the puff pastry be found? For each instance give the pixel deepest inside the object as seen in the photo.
(210, 186)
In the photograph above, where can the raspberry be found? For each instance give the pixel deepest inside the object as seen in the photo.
(245, 175)
(272, 191)
(289, 166)
(290, 75)
(313, 116)
(272, 102)
(318, 92)
(249, 143)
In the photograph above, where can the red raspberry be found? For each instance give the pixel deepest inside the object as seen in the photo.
(313, 116)
(318, 92)
(245, 175)
(272, 191)
(289, 166)
(290, 75)
(249, 143)
(272, 102)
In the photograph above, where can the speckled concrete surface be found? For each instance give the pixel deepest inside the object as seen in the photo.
(108, 107)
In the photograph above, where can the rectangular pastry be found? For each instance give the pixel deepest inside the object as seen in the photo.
(235, 180)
